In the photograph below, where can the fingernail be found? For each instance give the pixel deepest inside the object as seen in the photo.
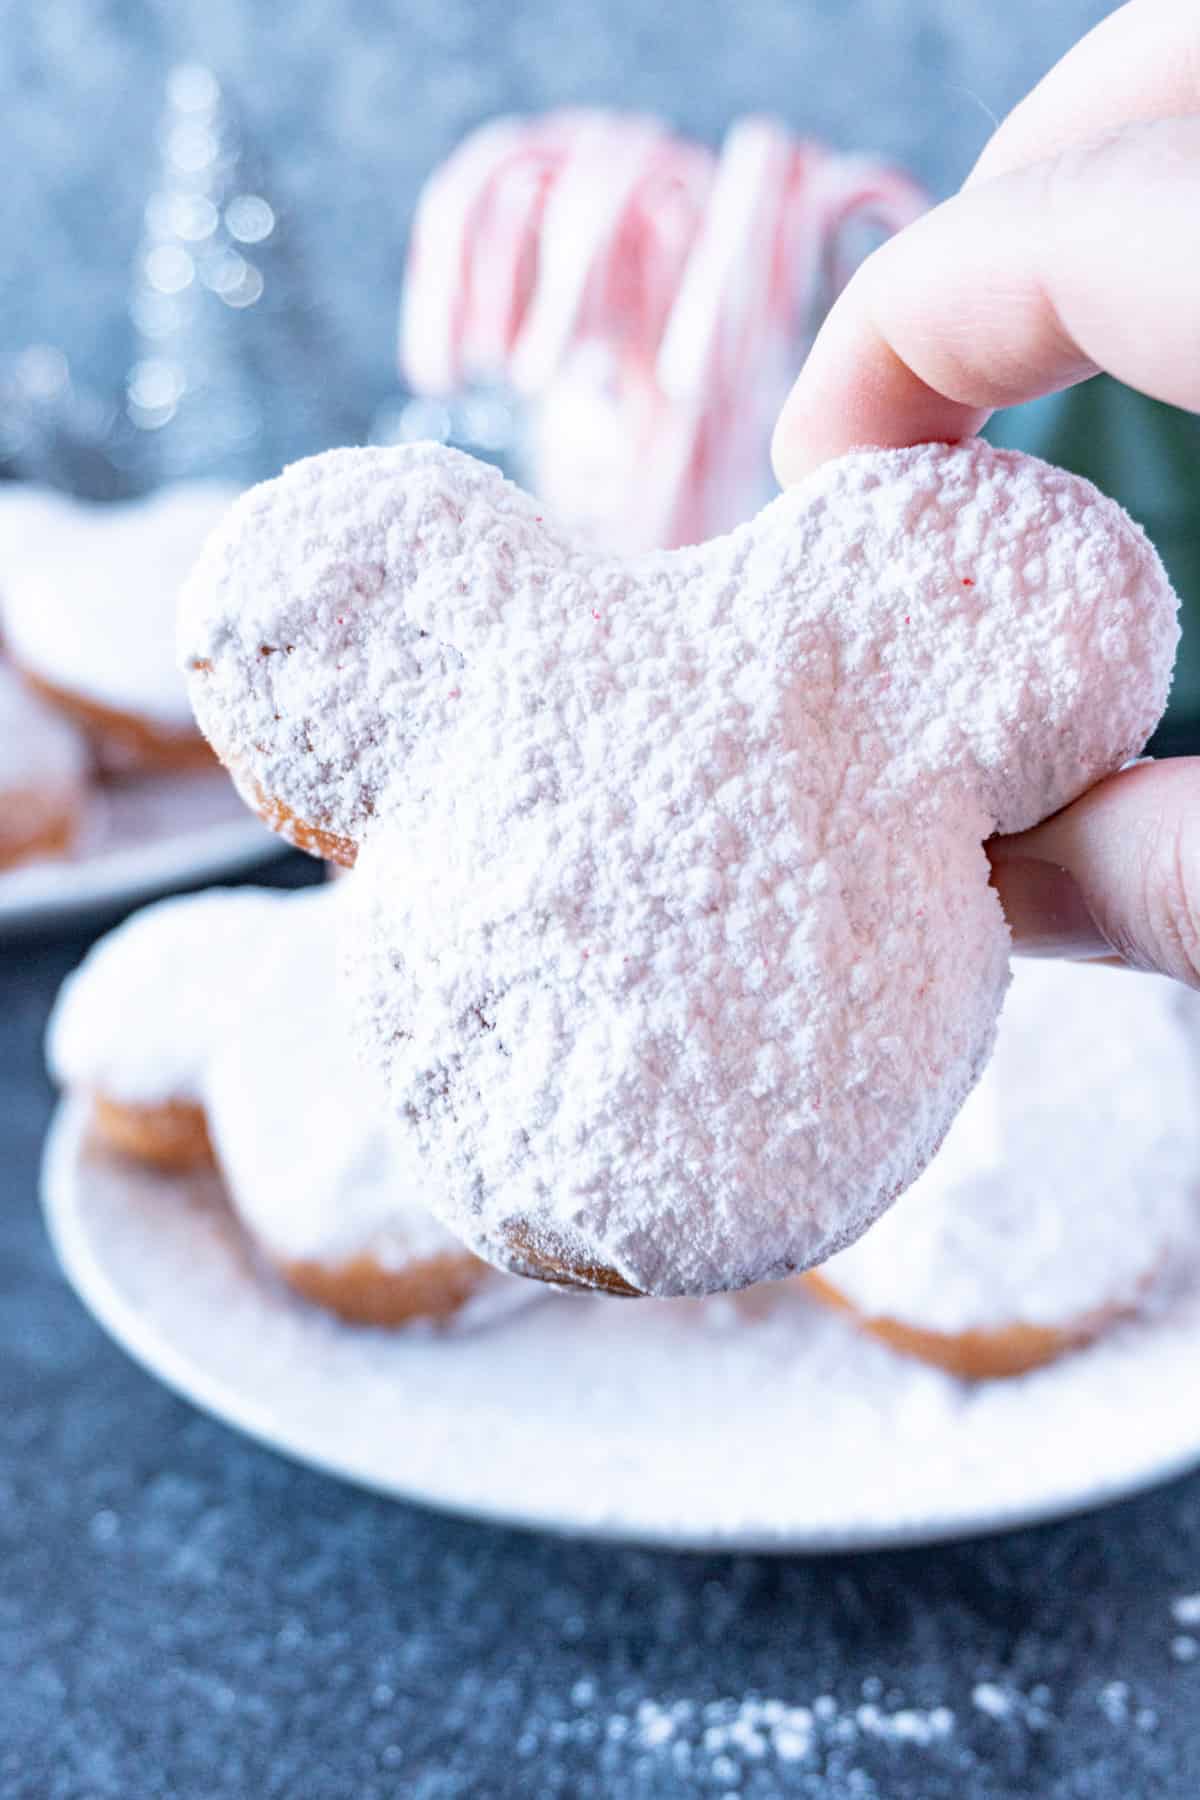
(1045, 908)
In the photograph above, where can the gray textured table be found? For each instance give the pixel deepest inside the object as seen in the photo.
(183, 1614)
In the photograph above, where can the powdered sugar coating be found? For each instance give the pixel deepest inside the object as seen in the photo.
(676, 944)
(301, 1133)
(141, 1016)
(307, 677)
(87, 595)
(1071, 1177)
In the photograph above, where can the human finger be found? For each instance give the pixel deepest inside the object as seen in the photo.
(1015, 288)
(1115, 874)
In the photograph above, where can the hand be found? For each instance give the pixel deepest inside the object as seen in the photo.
(1073, 247)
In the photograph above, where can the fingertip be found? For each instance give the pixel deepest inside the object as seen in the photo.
(855, 392)
(791, 458)
(835, 404)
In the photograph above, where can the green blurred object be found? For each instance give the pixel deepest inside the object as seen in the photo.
(1147, 456)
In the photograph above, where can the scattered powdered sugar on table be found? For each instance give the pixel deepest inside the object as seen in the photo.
(703, 957)
(1186, 1609)
(856, 1744)
(860, 1742)
(755, 1727)
(1185, 1643)
(764, 1420)
(723, 1740)
(997, 1702)
(1071, 1177)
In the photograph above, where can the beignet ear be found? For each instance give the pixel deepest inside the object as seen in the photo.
(306, 669)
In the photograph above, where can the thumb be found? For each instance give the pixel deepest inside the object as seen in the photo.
(1115, 874)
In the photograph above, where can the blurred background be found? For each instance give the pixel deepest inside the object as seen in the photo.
(326, 116)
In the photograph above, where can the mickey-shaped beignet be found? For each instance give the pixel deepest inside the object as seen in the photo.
(674, 933)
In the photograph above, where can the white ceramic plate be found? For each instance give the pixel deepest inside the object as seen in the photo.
(765, 1423)
(141, 837)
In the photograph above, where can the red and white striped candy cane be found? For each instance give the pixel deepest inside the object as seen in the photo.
(648, 299)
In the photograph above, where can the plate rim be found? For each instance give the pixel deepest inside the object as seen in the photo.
(148, 1347)
(126, 877)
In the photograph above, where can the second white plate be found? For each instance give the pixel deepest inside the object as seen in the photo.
(141, 838)
(762, 1423)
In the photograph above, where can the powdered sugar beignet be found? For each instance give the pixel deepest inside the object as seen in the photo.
(136, 1024)
(1067, 1186)
(335, 1198)
(87, 597)
(206, 1029)
(675, 942)
(43, 771)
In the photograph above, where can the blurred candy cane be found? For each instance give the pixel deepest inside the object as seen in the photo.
(648, 299)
